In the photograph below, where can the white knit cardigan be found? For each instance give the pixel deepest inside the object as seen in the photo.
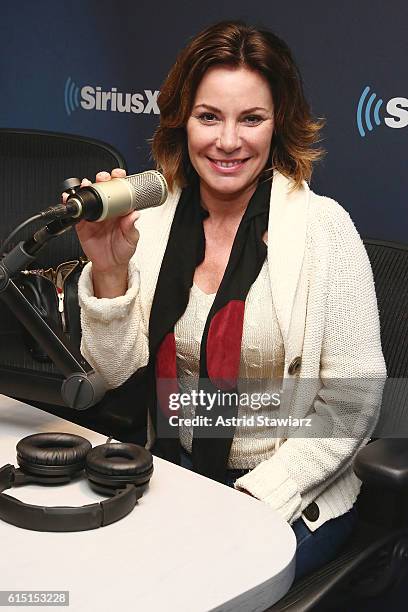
(323, 292)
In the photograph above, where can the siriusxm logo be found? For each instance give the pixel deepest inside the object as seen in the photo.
(93, 98)
(368, 110)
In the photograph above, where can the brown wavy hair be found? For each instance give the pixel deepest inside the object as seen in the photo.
(233, 43)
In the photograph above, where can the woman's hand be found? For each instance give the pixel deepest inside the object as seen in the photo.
(109, 245)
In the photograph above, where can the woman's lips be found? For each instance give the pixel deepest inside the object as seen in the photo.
(233, 165)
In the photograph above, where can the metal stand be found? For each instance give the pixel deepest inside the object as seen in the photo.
(83, 387)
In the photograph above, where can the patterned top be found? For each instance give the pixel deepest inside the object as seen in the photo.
(261, 368)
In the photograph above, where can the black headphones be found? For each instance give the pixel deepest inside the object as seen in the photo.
(120, 471)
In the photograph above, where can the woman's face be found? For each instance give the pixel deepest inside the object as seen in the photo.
(230, 130)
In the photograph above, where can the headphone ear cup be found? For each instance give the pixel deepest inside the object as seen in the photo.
(52, 454)
(113, 466)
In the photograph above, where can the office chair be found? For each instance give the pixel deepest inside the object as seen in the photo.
(375, 559)
(33, 165)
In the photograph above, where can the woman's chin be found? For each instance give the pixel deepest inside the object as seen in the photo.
(228, 186)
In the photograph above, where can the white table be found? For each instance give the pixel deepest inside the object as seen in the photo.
(190, 544)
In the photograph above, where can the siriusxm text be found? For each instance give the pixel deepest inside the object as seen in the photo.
(93, 98)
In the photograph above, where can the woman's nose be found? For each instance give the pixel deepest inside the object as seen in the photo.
(228, 138)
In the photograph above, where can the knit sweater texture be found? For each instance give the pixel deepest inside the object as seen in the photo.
(323, 295)
(260, 371)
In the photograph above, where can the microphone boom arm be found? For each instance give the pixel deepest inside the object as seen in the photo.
(83, 386)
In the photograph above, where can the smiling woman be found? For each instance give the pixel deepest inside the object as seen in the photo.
(201, 304)
(229, 133)
(232, 45)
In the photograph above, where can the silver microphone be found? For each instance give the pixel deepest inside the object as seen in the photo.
(118, 197)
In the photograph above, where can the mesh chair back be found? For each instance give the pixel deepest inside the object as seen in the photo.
(389, 262)
(32, 167)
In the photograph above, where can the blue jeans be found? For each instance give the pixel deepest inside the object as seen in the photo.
(314, 548)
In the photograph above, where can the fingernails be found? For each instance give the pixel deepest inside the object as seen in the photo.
(118, 172)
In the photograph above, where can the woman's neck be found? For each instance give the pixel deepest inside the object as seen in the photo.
(222, 207)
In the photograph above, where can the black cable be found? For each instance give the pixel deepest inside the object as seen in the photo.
(17, 230)
(52, 212)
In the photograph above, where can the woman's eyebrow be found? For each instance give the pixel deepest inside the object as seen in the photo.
(217, 110)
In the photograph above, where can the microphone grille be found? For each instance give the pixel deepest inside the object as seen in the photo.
(150, 189)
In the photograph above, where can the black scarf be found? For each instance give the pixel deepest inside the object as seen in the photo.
(221, 341)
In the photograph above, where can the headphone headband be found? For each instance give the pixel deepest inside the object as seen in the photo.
(124, 495)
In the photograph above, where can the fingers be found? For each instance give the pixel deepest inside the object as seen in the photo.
(134, 216)
(128, 222)
(100, 177)
(103, 176)
(118, 173)
(128, 228)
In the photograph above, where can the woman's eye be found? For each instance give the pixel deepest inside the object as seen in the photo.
(210, 118)
(207, 117)
(253, 119)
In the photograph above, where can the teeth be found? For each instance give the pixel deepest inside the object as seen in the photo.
(227, 164)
